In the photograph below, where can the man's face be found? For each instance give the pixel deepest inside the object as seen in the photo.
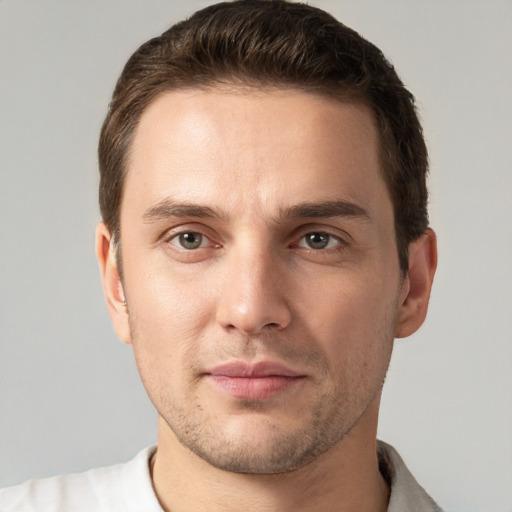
(260, 272)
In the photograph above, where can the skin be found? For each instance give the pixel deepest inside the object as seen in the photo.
(256, 226)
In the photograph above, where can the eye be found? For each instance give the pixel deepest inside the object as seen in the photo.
(190, 240)
(319, 240)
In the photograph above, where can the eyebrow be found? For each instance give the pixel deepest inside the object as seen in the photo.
(168, 208)
(327, 209)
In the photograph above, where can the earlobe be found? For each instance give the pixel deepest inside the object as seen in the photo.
(417, 284)
(112, 283)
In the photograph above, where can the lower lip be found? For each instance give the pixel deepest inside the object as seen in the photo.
(254, 388)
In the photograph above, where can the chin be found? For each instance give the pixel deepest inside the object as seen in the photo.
(255, 445)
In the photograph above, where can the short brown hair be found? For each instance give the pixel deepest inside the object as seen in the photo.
(271, 43)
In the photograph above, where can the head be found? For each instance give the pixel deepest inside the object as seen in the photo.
(262, 44)
(263, 186)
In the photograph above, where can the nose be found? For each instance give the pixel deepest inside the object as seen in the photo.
(253, 295)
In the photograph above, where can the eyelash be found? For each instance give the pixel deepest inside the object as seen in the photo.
(330, 238)
(179, 236)
(302, 242)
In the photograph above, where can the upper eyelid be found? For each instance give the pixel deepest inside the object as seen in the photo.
(175, 231)
(336, 232)
(168, 240)
(340, 240)
(297, 234)
(177, 235)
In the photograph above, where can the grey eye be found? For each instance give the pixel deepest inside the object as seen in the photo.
(319, 240)
(189, 241)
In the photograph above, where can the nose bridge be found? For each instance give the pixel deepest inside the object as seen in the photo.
(253, 295)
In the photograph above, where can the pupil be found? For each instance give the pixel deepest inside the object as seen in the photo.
(318, 240)
(190, 240)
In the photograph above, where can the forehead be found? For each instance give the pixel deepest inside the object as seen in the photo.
(226, 147)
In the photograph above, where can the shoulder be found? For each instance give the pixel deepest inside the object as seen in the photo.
(406, 493)
(121, 487)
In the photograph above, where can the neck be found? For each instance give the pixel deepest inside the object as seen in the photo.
(346, 478)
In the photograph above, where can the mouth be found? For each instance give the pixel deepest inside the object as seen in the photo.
(256, 381)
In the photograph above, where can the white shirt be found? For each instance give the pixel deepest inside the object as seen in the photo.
(119, 488)
(128, 488)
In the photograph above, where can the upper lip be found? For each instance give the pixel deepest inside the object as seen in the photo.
(255, 370)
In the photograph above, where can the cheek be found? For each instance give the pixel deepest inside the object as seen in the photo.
(354, 318)
(168, 297)
(168, 317)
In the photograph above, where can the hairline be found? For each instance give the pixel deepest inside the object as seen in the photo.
(241, 85)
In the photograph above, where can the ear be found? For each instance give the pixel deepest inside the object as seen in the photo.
(112, 284)
(417, 284)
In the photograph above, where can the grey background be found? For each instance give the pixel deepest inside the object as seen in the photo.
(70, 397)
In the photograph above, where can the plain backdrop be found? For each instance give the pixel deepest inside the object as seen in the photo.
(70, 395)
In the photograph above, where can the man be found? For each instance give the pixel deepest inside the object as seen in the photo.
(264, 240)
